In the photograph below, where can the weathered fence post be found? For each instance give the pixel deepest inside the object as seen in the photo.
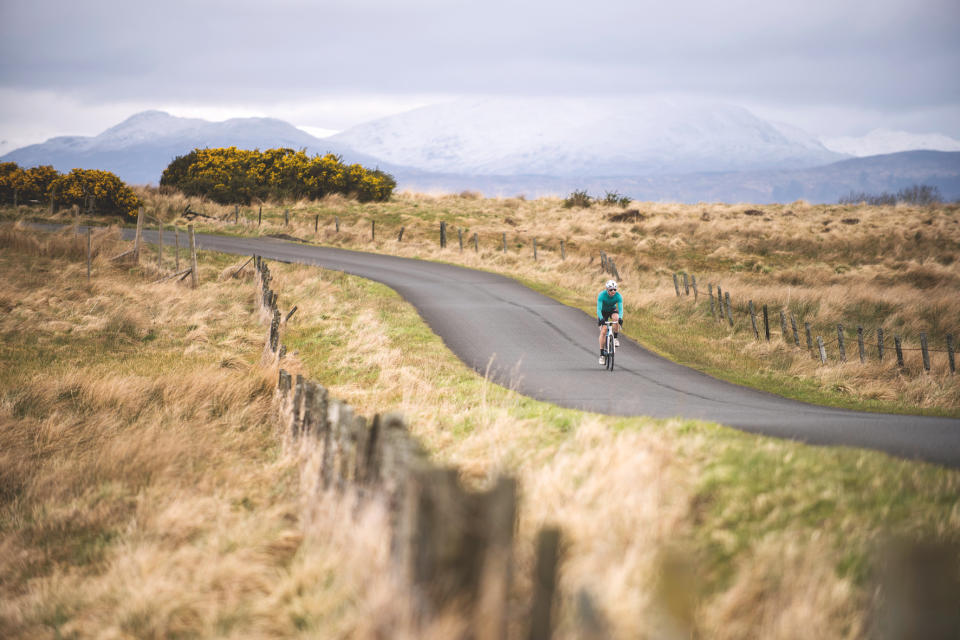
(676, 285)
(898, 344)
(534, 249)
(806, 328)
(563, 252)
(863, 354)
(753, 320)
(719, 301)
(796, 334)
(840, 343)
(138, 238)
(316, 224)
(880, 343)
(823, 351)
(544, 583)
(400, 235)
(504, 242)
(693, 283)
(686, 284)
(194, 276)
(460, 238)
(443, 234)
(766, 323)
(236, 214)
(336, 223)
(159, 246)
(726, 296)
(783, 326)
(286, 217)
(89, 252)
(476, 243)
(373, 230)
(950, 359)
(259, 215)
(925, 352)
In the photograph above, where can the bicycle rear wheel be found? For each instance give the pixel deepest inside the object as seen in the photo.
(611, 351)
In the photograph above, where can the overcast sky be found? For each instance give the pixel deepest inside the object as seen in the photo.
(832, 67)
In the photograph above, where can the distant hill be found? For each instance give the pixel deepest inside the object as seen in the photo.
(728, 156)
(139, 148)
(873, 174)
(585, 137)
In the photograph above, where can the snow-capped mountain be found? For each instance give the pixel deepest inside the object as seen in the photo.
(584, 137)
(880, 141)
(139, 148)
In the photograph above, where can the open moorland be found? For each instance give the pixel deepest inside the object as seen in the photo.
(146, 490)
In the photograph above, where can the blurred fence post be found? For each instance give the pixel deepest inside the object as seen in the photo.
(806, 328)
(260, 215)
(676, 285)
(194, 276)
(236, 214)
(840, 343)
(336, 223)
(793, 326)
(563, 252)
(713, 311)
(898, 345)
(783, 326)
(823, 351)
(89, 251)
(686, 284)
(925, 352)
(286, 217)
(373, 230)
(138, 238)
(176, 238)
(880, 343)
(504, 242)
(726, 296)
(476, 243)
(443, 234)
(316, 224)
(950, 356)
(753, 320)
(400, 235)
(693, 283)
(534, 249)
(863, 354)
(544, 583)
(719, 302)
(766, 323)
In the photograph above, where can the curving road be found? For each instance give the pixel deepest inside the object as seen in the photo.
(548, 351)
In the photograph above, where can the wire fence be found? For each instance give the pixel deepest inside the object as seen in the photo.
(722, 310)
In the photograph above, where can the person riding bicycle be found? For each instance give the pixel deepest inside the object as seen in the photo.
(609, 307)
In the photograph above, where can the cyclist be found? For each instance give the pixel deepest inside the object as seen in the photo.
(609, 306)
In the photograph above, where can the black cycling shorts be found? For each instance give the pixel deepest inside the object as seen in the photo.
(606, 316)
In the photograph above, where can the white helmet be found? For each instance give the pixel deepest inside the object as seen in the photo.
(611, 284)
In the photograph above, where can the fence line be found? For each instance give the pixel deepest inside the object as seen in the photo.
(452, 549)
(723, 299)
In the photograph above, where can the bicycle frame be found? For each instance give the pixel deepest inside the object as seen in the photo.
(611, 346)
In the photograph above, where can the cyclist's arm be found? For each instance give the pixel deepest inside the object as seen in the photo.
(600, 306)
(620, 307)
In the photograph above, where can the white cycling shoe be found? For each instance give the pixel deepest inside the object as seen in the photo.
(603, 359)
(616, 342)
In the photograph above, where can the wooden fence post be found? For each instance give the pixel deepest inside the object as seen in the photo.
(260, 215)
(898, 344)
(726, 296)
(783, 326)
(950, 357)
(823, 351)
(286, 217)
(863, 354)
(476, 243)
(713, 311)
(504, 242)
(693, 283)
(460, 238)
(443, 234)
(138, 238)
(534, 249)
(806, 328)
(563, 252)
(766, 323)
(840, 343)
(719, 301)
(925, 352)
(316, 224)
(686, 284)
(159, 246)
(676, 285)
(336, 223)
(236, 214)
(753, 319)
(796, 334)
(194, 276)
(880, 343)
(373, 231)
(89, 252)
(544, 583)
(400, 235)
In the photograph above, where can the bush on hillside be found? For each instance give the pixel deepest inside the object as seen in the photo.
(239, 176)
(100, 190)
(577, 199)
(918, 194)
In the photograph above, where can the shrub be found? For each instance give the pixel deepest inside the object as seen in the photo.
(578, 199)
(614, 198)
(238, 176)
(109, 194)
(34, 183)
(918, 194)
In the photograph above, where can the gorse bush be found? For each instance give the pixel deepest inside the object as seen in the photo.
(577, 199)
(101, 191)
(239, 176)
(614, 198)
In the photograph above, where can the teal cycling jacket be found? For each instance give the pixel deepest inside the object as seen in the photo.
(607, 304)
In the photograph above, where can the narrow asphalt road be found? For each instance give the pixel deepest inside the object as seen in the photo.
(548, 351)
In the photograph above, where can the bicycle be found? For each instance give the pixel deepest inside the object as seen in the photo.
(611, 347)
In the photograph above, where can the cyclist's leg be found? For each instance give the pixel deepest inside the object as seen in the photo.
(615, 318)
